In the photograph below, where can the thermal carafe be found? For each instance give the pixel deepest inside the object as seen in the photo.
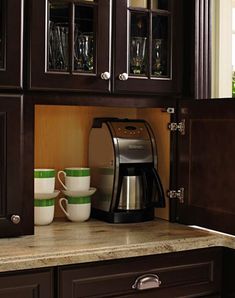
(123, 162)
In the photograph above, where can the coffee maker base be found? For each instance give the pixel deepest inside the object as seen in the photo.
(130, 216)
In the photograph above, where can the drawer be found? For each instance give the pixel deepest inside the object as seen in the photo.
(193, 273)
(27, 284)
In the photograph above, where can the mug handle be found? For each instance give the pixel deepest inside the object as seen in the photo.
(58, 176)
(62, 207)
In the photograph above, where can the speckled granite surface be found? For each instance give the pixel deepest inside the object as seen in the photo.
(69, 243)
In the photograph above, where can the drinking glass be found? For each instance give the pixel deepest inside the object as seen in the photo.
(159, 57)
(138, 55)
(58, 46)
(84, 52)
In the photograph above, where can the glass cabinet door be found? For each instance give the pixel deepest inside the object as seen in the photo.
(11, 44)
(146, 59)
(1, 35)
(75, 47)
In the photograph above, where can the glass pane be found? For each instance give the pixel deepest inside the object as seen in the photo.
(160, 4)
(138, 44)
(138, 3)
(84, 45)
(1, 35)
(160, 50)
(58, 37)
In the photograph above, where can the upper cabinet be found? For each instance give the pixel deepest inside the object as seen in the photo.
(11, 44)
(148, 46)
(70, 45)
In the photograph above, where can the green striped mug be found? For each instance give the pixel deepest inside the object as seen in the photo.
(75, 179)
(43, 211)
(44, 180)
(77, 208)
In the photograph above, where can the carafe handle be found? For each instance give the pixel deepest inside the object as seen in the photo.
(161, 197)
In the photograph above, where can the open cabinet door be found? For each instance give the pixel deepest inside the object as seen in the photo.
(206, 164)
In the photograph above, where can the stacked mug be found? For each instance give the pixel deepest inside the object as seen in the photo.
(77, 202)
(44, 196)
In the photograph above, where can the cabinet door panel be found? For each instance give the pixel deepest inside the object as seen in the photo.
(11, 44)
(26, 285)
(69, 45)
(12, 199)
(206, 164)
(148, 47)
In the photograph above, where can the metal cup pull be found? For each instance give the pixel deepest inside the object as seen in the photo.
(147, 281)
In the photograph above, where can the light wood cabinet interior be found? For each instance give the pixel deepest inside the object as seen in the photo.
(62, 133)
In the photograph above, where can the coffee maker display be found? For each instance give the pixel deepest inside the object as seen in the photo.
(123, 162)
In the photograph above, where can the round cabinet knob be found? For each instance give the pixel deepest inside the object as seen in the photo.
(105, 75)
(123, 76)
(15, 219)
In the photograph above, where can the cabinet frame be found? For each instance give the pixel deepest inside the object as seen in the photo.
(171, 85)
(41, 79)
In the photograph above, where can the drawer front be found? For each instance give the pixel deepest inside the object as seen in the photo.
(192, 273)
(27, 284)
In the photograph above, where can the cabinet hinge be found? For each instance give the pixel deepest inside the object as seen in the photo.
(176, 194)
(174, 126)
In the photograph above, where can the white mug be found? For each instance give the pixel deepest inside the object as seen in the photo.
(43, 211)
(76, 179)
(44, 180)
(77, 208)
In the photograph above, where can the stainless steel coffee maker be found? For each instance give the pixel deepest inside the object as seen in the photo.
(123, 162)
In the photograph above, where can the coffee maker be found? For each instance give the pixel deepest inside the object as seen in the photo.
(123, 162)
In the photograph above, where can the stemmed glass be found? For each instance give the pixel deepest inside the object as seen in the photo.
(137, 55)
(159, 59)
(83, 51)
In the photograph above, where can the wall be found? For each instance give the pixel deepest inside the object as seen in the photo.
(221, 48)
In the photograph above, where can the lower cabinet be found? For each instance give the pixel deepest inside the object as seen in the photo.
(195, 273)
(186, 274)
(27, 284)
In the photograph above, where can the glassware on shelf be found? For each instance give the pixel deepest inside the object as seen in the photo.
(138, 55)
(159, 63)
(83, 51)
(58, 46)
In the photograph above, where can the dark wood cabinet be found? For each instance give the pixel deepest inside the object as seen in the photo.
(228, 273)
(11, 44)
(184, 274)
(27, 284)
(148, 46)
(15, 205)
(206, 164)
(70, 45)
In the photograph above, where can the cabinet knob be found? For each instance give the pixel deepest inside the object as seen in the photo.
(105, 75)
(15, 219)
(147, 281)
(123, 76)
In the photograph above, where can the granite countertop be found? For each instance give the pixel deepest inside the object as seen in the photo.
(64, 243)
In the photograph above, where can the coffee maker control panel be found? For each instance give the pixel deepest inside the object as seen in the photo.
(130, 131)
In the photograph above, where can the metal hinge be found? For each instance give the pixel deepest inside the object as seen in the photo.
(176, 194)
(174, 126)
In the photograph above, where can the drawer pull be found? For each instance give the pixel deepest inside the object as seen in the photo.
(147, 281)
